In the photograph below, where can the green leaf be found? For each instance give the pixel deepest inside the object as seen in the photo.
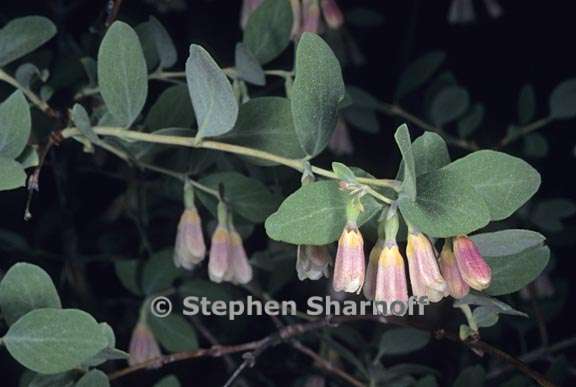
(247, 197)
(505, 182)
(82, 121)
(400, 341)
(65, 379)
(49, 341)
(26, 287)
(165, 48)
(174, 333)
(418, 72)
(248, 67)
(526, 104)
(449, 104)
(507, 242)
(483, 300)
(471, 377)
(548, 214)
(317, 90)
(469, 123)
(127, 272)
(563, 100)
(94, 378)
(343, 172)
(212, 96)
(122, 73)
(268, 29)
(208, 289)
(12, 174)
(266, 123)
(315, 215)
(402, 137)
(427, 381)
(513, 272)
(172, 109)
(485, 316)
(108, 353)
(145, 32)
(535, 145)
(446, 206)
(15, 125)
(430, 153)
(159, 273)
(168, 381)
(23, 35)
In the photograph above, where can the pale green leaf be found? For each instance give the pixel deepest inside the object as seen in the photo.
(159, 272)
(15, 125)
(174, 333)
(82, 121)
(400, 341)
(268, 29)
(122, 73)
(26, 287)
(315, 214)
(316, 93)
(449, 104)
(168, 381)
(470, 122)
(563, 100)
(446, 206)
(248, 67)
(212, 96)
(402, 137)
(12, 174)
(418, 72)
(49, 341)
(165, 48)
(94, 378)
(507, 242)
(172, 109)
(23, 35)
(503, 181)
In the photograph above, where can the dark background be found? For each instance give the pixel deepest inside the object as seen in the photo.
(532, 42)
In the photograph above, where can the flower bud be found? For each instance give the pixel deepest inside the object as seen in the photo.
(143, 346)
(332, 14)
(350, 262)
(310, 16)
(220, 253)
(473, 268)
(240, 268)
(425, 276)
(312, 262)
(391, 279)
(372, 270)
(457, 288)
(190, 248)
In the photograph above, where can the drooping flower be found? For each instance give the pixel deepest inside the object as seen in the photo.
(190, 248)
(350, 263)
(474, 269)
(332, 14)
(425, 276)
(457, 287)
(340, 142)
(220, 255)
(372, 270)
(143, 346)
(239, 267)
(391, 278)
(312, 262)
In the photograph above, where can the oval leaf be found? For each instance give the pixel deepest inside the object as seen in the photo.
(563, 100)
(12, 174)
(212, 96)
(122, 73)
(23, 35)
(317, 90)
(172, 109)
(94, 378)
(507, 242)
(26, 287)
(15, 125)
(418, 72)
(505, 182)
(315, 215)
(49, 341)
(449, 104)
(174, 333)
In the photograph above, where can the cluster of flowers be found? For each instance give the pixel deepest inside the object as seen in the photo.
(458, 268)
(227, 260)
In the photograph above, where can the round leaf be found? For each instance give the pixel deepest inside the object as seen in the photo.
(563, 100)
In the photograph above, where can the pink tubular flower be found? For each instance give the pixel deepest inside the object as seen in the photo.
(372, 270)
(425, 276)
(190, 248)
(474, 269)
(241, 271)
(220, 255)
(340, 142)
(143, 346)
(310, 16)
(332, 14)
(391, 279)
(457, 287)
(312, 262)
(350, 262)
